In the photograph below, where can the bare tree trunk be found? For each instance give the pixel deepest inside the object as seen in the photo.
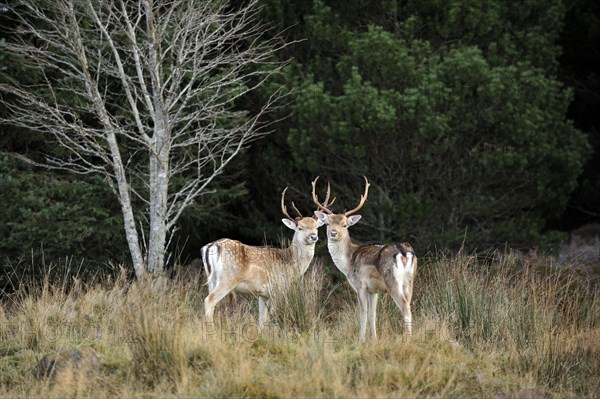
(160, 149)
(131, 233)
(159, 189)
(132, 81)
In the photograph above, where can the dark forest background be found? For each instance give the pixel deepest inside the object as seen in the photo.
(475, 121)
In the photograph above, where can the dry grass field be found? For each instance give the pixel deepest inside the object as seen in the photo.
(496, 329)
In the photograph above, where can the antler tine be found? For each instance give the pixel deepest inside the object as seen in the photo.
(324, 205)
(296, 210)
(326, 202)
(283, 207)
(363, 198)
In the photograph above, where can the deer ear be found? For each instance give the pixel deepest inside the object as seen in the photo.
(352, 220)
(320, 222)
(289, 223)
(321, 217)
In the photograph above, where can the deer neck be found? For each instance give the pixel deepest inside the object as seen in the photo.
(341, 253)
(299, 256)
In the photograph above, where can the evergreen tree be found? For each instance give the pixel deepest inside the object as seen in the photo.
(452, 109)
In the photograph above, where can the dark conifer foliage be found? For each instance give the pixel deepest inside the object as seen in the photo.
(475, 121)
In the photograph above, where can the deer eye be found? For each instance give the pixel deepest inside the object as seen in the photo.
(300, 229)
(344, 225)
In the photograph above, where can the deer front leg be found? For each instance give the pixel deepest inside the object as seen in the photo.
(263, 311)
(363, 305)
(372, 313)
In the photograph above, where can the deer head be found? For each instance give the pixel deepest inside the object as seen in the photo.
(305, 228)
(337, 223)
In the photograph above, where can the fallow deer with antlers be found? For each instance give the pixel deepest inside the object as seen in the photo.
(232, 266)
(370, 269)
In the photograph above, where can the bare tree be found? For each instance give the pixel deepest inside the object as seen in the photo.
(142, 91)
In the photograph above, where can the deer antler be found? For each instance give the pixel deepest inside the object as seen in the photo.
(363, 198)
(284, 208)
(296, 209)
(326, 204)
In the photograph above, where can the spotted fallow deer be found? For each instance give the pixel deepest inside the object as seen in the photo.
(370, 269)
(231, 266)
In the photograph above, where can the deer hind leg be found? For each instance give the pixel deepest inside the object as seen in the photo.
(219, 292)
(407, 318)
(404, 305)
(399, 288)
(372, 313)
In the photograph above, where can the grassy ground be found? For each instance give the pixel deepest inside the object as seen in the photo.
(504, 329)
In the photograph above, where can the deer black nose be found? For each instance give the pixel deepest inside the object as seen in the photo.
(313, 238)
(333, 233)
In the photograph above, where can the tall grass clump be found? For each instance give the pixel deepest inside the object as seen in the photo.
(504, 330)
(155, 342)
(298, 303)
(533, 316)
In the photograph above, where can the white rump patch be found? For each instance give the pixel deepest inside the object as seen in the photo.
(409, 264)
(215, 266)
(400, 265)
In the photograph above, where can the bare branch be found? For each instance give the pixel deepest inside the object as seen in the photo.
(142, 95)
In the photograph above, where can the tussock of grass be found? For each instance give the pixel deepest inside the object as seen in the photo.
(298, 304)
(486, 330)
